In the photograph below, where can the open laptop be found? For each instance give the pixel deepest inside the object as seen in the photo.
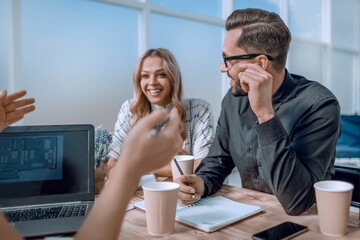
(47, 177)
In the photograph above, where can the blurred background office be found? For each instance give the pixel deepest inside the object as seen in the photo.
(76, 57)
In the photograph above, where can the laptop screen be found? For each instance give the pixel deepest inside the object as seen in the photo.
(46, 164)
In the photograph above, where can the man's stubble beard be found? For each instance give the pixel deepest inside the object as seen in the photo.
(237, 90)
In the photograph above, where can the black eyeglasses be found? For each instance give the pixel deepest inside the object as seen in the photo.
(244, 56)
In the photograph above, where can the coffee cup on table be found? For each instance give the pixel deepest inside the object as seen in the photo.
(160, 204)
(186, 163)
(333, 200)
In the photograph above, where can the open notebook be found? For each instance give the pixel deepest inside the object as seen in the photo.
(211, 213)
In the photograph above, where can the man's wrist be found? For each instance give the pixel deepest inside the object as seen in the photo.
(202, 188)
(265, 117)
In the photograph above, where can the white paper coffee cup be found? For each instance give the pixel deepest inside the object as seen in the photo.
(186, 163)
(333, 200)
(160, 204)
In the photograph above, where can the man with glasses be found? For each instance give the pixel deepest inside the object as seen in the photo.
(279, 129)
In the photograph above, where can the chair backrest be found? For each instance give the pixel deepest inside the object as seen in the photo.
(348, 145)
(352, 175)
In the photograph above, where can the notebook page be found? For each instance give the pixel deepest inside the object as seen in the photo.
(212, 213)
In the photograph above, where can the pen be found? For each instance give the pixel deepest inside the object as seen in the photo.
(181, 172)
(158, 127)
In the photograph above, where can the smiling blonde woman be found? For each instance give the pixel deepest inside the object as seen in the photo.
(158, 85)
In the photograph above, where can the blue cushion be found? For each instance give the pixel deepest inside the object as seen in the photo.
(348, 145)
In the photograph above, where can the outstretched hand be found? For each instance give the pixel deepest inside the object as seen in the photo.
(12, 109)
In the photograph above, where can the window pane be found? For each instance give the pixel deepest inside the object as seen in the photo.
(346, 23)
(268, 5)
(305, 18)
(342, 81)
(306, 60)
(210, 8)
(5, 46)
(78, 58)
(199, 55)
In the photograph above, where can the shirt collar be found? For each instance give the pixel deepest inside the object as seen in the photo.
(284, 91)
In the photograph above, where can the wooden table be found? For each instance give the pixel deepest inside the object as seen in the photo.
(134, 226)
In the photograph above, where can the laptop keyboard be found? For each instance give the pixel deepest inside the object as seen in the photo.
(46, 212)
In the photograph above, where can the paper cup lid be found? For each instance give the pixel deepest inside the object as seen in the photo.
(180, 158)
(334, 186)
(160, 186)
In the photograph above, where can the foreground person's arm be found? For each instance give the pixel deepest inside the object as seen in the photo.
(7, 231)
(141, 154)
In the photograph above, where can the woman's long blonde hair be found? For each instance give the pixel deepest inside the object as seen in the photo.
(140, 105)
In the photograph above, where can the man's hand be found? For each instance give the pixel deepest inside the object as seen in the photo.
(189, 194)
(258, 84)
(12, 109)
